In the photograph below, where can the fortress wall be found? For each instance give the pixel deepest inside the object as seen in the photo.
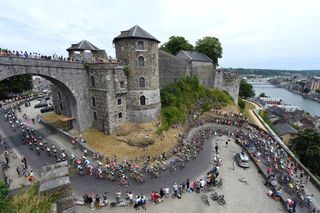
(229, 82)
(171, 68)
(204, 72)
(106, 92)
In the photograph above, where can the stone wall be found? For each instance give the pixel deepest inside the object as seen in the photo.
(55, 180)
(69, 77)
(60, 101)
(229, 82)
(171, 68)
(110, 85)
(128, 53)
(204, 72)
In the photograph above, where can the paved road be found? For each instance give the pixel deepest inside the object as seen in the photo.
(240, 197)
(84, 184)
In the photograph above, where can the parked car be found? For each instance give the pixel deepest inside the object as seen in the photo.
(40, 105)
(243, 160)
(47, 109)
(46, 97)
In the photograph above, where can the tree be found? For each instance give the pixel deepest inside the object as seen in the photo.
(246, 90)
(318, 91)
(4, 191)
(307, 147)
(210, 46)
(262, 95)
(175, 44)
(306, 90)
(15, 84)
(241, 104)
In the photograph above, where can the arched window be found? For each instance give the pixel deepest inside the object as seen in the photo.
(93, 83)
(95, 116)
(142, 100)
(141, 61)
(120, 115)
(140, 45)
(142, 82)
(119, 101)
(93, 101)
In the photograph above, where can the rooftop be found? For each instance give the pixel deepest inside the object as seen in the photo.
(195, 56)
(284, 128)
(135, 32)
(83, 45)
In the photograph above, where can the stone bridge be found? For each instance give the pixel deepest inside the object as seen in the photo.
(69, 77)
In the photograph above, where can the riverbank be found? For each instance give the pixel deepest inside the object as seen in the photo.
(290, 98)
(297, 92)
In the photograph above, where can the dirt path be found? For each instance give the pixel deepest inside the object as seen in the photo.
(254, 117)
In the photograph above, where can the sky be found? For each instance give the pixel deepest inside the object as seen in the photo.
(273, 34)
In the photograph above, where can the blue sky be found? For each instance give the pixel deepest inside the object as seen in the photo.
(280, 34)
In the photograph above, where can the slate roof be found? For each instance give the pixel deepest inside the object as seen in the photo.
(196, 56)
(83, 45)
(135, 32)
(284, 128)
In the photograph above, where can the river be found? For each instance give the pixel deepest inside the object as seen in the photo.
(262, 86)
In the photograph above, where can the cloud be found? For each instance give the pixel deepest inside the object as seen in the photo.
(261, 34)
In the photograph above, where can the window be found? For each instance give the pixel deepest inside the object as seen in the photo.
(92, 81)
(119, 101)
(121, 84)
(140, 45)
(141, 61)
(142, 100)
(142, 82)
(120, 115)
(59, 95)
(95, 116)
(93, 101)
(61, 107)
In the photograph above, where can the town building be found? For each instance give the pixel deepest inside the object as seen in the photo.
(313, 84)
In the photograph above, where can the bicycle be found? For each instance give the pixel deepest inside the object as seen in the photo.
(214, 196)
(221, 200)
(204, 199)
(208, 188)
(243, 180)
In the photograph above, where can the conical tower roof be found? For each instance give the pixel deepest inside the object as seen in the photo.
(135, 32)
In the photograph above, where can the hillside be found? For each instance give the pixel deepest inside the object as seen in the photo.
(186, 98)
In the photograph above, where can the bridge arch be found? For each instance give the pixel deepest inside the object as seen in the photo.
(70, 78)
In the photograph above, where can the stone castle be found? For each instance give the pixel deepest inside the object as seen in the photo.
(129, 89)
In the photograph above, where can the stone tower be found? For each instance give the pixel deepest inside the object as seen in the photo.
(137, 49)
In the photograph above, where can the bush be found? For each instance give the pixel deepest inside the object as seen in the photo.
(180, 99)
(241, 104)
(264, 115)
(4, 191)
(30, 201)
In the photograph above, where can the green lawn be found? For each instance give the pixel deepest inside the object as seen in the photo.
(249, 106)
